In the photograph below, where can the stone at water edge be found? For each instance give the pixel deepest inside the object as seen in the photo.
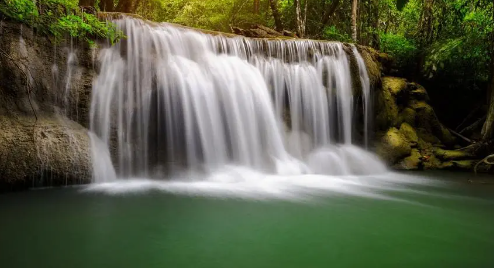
(393, 146)
(412, 162)
(452, 154)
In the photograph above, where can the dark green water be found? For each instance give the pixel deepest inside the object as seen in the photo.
(451, 226)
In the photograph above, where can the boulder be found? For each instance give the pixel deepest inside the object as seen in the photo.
(393, 146)
(387, 112)
(48, 151)
(412, 162)
(430, 161)
(407, 115)
(409, 132)
(395, 85)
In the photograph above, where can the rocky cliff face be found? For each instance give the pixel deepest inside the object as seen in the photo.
(44, 108)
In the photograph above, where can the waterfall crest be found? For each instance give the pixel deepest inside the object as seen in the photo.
(174, 99)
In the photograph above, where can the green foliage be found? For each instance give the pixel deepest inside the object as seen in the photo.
(20, 10)
(332, 33)
(60, 18)
(217, 15)
(401, 48)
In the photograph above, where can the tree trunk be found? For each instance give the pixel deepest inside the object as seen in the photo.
(86, 3)
(256, 6)
(375, 43)
(106, 5)
(127, 6)
(328, 14)
(354, 20)
(276, 15)
(301, 18)
(487, 129)
(425, 33)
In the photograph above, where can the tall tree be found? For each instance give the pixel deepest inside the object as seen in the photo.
(106, 5)
(276, 15)
(256, 6)
(328, 14)
(424, 37)
(354, 20)
(375, 24)
(301, 17)
(127, 6)
(86, 3)
(488, 128)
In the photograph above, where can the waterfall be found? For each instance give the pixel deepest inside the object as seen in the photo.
(171, 99)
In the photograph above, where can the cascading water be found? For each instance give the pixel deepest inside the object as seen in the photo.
(173, 99)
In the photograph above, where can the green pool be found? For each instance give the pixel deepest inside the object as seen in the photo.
(446, 225)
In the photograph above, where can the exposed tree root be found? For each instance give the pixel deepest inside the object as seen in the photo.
(486, 161)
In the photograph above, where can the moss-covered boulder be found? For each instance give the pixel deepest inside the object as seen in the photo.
(393, 146)
(395, 85)
(452, 154)
(430, 161)
(387, 112)
(409, 132)
(407, 115)
(412, 162)
(418, 92)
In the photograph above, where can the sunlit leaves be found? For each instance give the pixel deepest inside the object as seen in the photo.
(60, 18)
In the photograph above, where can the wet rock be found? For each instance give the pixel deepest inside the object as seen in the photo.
(430, 161)
(45, 152)
(393, 146)
(412, 162)
(43, 92)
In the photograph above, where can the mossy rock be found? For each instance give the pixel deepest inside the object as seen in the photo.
(409, 132)
(387, 113)
(451, 154)
(372, 59)
(427, 137)
(393, 146)
(418, 92)
(431, 162)
(412, 162)
(395, 85)
(407, 115)
(466, 165)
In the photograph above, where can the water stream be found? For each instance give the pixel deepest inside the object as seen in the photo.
(200, 107)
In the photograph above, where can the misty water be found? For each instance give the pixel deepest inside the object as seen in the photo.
(442, 222)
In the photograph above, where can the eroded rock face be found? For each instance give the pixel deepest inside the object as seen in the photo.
(45, 92)
(48, 151)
